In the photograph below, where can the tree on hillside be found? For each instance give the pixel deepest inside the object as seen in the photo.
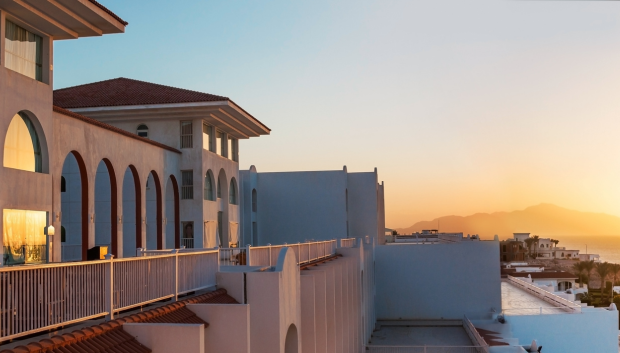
(588, 266)
(603, 270)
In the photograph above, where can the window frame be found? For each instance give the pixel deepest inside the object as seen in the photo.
(187, 190)
(44, 45)
(187, 138)
(209, 134)
(145, 130)
(233, 195)
(206, 195)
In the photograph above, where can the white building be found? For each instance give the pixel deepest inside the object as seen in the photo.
(151, 172)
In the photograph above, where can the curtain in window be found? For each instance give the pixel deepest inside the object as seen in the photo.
(22, 149)
(24, 235)
(233, 237)
(24, 51)
(210, 235)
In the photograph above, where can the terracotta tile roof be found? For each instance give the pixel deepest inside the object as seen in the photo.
(545, 275)
(112, 128)
(127, 92)
(491, 338)
(109, 337)
(109, 12)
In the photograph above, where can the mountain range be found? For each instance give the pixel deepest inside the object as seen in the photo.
(544, 220)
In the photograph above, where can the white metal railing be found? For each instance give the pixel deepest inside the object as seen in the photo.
(549, 297)
(424, 349)
(233, 256)
(449, 238)
(188, 243)
(305, 252)
(71, 252)
(540, 310)
(474, 336)
(42, 297)
(347, 243)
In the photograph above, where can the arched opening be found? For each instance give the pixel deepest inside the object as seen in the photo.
(106, 230)
(25, 145)
(291, 344)
(132, 222)
(142, 131)
(232, 192)
(173, 226)
(74, 208)
(254, 200)
(153, 212)
(209, 186)
(222, 214)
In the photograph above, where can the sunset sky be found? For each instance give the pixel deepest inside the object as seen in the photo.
(463, 106)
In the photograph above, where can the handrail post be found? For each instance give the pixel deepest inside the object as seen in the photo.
(109, 287)
(175, 273)
(247, 255)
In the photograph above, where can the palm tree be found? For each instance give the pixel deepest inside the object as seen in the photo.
(579, 268)
(603, 270)
(529, 242)
(615, 268)
(587, 267)
(536, 241)
(555, 242)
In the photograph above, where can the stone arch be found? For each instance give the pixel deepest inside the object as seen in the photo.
(132, 211)
(157, 209)
(173, 229)
(209, 192)
(25, 144)
(291, 344)
(233, 193)
(101, 209)
(74, 162)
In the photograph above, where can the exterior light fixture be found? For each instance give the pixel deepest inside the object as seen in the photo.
(50, 230)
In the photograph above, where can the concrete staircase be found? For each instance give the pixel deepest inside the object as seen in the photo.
(498, 336)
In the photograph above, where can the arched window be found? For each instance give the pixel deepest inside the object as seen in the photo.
(63, 184)
(22, 149)
(232, 192)
(254, 201)
(219, 189)
(143, 131)
(63, 234)
(208, 192)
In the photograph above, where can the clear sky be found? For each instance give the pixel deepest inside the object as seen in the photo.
(463, 106)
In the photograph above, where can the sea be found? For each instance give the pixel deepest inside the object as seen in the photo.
(607, 246)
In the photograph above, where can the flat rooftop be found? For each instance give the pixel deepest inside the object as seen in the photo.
(421, 334)
(516, 301)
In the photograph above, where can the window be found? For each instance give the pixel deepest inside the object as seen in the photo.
(232, 149)
(186, 134)
(22, 149)
(503, 248)
(187, 186)
(208, 192)
(220, 229)
(207, 131)
(188, 235)
(143, 131)
(232, 192)
(63, 234)
(254, 234)
(63, 184)
(219, 189)
(254, 205)
(219, 143)
(24, 51)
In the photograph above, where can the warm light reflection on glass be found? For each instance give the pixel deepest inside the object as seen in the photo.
(24, 228)
(18, 148)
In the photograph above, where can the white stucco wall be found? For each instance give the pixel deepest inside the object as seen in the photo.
(437, 281)
(594, 330)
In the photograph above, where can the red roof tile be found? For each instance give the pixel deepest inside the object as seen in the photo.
(109, 12)
(109, 337)
(124, 91)
(127, 92)
(112, 128)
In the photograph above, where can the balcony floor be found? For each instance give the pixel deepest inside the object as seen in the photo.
(516, 301)
(419, 335)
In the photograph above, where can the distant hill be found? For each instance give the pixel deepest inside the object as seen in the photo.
(544, 220)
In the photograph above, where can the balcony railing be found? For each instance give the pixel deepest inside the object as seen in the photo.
(347, 243)
(425, 349)
(43, 297)
(24, 254)
(549, 297)
(305, 252)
